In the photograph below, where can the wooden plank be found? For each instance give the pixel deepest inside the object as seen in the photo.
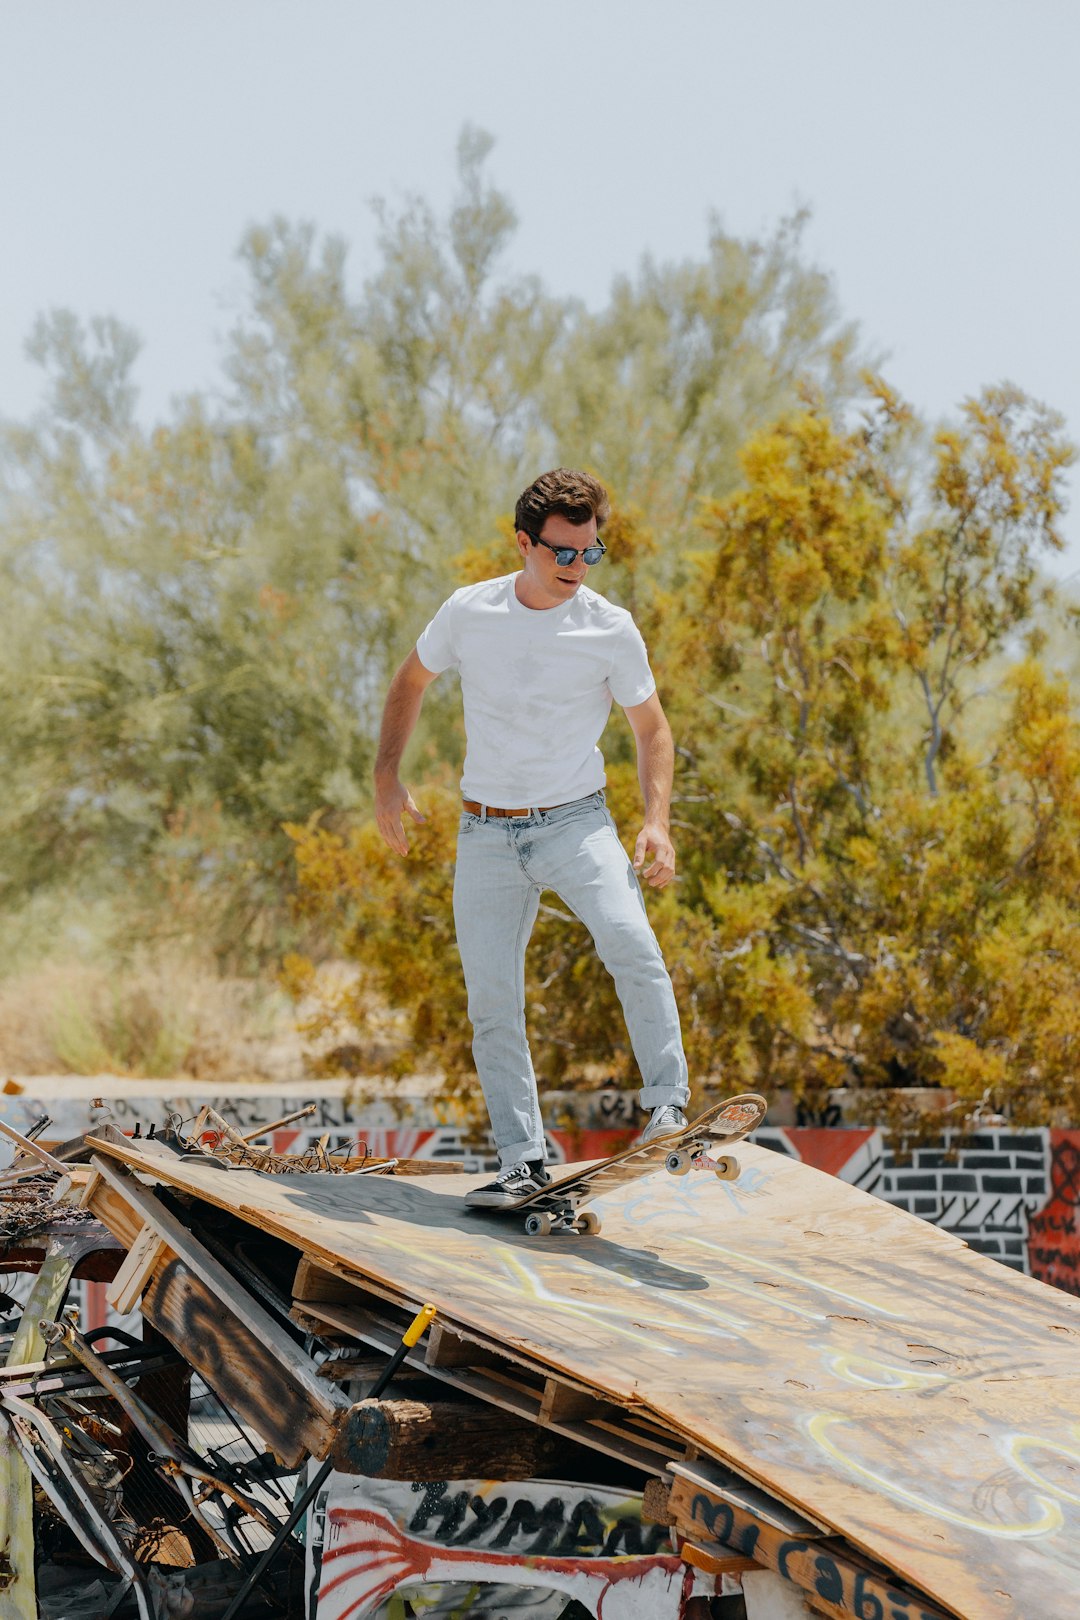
(336, 1282)
(80, 1176)
(262, 1328)
(565, 1403)
(835, 1582)
(142, 1259)
(89, 1187)
(726, 1486)
(314, 1283)
(713, 1562)
(112, 1210)
(28, 1146)
(448, 1347)
(234, 1362)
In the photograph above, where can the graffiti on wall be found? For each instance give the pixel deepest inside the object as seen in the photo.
(1013, 1195)
(1054, 1231)
(480, 1547)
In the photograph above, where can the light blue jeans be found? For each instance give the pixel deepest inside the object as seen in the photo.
(503, 867)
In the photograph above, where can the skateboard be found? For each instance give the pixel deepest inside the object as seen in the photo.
(554, 1208)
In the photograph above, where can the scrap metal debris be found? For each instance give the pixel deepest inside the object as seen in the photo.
(136, 1514)
(212, 1136)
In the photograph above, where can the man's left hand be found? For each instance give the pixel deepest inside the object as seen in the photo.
(654, 839)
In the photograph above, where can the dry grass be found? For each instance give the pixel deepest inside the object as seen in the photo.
(164, 1016)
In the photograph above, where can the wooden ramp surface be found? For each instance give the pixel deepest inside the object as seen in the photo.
(864, 1367)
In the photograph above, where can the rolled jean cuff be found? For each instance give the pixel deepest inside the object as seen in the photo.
(662, 1096)
(518, 1151)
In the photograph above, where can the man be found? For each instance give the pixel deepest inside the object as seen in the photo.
(541, 657)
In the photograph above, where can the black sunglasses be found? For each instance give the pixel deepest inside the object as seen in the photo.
(566, 555)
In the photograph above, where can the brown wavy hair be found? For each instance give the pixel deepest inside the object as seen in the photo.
(576, 496)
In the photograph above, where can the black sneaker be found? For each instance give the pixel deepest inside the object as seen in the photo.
(527, 1176)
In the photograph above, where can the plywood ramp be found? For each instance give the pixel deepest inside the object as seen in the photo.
(866, 1369)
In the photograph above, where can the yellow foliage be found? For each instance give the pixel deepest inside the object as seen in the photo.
(490, 560)
(869, 894)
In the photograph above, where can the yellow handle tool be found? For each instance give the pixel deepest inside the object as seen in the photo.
(419, 1325)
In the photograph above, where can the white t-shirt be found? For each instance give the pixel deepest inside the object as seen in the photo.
(538, 686)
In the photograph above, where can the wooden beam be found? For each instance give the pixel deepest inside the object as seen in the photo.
(89, 1187)
(113, 1211)
(34, 1149)
(714, 1562)
(142, 1259)
(411, 1439)
(833, 1576)
(267, 1339)
(235, 1363)
(449, 1347)
(567, 1403)
(313, 1283)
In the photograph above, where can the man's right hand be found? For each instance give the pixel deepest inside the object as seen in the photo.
(392, 803)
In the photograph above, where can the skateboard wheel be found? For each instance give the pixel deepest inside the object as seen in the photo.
(588, 1224)
(677, 1164)
(726, 1167)
(539, 1225)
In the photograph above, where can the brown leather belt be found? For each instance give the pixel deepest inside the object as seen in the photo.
(476, 809)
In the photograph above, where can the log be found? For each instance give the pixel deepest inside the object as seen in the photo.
(445, 1440)
(656, 1501)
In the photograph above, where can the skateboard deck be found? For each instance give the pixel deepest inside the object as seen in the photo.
(555, 1207)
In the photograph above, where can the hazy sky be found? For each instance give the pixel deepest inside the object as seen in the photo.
(935, 141)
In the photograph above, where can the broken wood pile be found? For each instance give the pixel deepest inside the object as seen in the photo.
(796, 1380)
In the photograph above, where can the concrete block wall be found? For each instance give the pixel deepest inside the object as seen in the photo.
(1013, 1195)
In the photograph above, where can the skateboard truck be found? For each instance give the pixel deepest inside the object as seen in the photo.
(544, 1222)
(724, 1168)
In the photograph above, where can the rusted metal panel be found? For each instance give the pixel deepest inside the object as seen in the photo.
(915, 1398)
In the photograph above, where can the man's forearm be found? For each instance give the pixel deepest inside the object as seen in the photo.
(656, 771)
(400, 714)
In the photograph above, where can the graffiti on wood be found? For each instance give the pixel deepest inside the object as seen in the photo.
(837, 1585)
(483, 1548)
(226, 1354)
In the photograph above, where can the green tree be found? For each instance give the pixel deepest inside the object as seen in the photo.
(201, 620)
